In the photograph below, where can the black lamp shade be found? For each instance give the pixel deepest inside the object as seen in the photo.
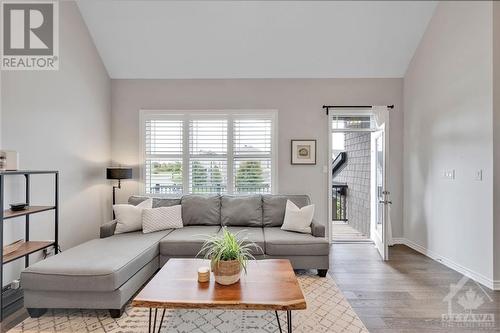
(118, 173)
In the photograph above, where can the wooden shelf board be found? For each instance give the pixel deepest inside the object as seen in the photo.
(27, 172)
(27, 248)
(8, 214)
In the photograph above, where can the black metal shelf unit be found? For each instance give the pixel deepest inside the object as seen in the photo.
(28, 247)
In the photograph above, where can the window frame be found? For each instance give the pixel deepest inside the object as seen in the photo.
(186, 116)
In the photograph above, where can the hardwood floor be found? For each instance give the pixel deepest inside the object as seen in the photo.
(405, 294)
(13, 320)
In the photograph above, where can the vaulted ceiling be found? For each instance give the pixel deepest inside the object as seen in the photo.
(256, 39)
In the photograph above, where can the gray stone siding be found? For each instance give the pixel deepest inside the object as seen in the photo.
(357, 176)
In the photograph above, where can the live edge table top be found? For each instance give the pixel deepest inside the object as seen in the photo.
(268, 285)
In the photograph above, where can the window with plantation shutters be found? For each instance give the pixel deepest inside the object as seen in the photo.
(203, 152)
(208, 156)
(163, 165)
(252, 155)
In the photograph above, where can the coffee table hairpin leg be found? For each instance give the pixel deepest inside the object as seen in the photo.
(288, 321)
(153, 323)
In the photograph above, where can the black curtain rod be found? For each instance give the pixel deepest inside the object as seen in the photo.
(327, 107)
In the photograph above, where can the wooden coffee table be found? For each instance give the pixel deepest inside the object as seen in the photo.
(268, 285)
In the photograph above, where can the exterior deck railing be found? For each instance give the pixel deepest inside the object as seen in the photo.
(177, 189)
(339, 202)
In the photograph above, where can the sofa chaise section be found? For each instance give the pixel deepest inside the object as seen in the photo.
(99, 274)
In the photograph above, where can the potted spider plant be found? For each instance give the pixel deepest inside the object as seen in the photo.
(229, 254)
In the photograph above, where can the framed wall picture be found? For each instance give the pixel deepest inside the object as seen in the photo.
(304, 152)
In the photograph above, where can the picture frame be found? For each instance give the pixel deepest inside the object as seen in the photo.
(303, 152)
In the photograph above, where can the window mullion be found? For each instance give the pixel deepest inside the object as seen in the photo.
(185, 154)
(274, 155)
(230, 154)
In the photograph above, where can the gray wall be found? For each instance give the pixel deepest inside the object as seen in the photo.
(61, 120)
(448, 125)
(298, 102)
(356, 174)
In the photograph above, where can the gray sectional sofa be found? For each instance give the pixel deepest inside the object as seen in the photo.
(105, 273)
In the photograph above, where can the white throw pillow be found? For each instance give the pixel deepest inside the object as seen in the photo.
(298, 219)
(161, 218)
(129, 217)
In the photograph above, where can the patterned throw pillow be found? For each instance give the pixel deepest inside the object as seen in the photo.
(161, 218)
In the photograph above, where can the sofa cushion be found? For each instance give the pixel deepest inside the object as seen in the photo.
(136, 199)
(201, 209)
(186, 242)
(287, 243)
(166, 202)
(157, 202)
(245, 211)
(97, 265)
(273, 207)
(253, 234)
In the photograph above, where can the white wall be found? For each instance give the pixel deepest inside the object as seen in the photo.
(448, 125)
(61, 120)
(496, 136)
(298, 102)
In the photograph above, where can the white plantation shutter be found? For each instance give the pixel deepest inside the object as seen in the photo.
(208, 156)
(163, 147)
(252, 154)
(196, 152)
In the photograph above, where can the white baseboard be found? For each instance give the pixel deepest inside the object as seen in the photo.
(496, 285)
(398, 240)
(491, 284)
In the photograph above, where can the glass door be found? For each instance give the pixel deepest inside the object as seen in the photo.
(380, 217)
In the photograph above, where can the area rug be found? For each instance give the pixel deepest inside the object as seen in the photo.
(327, 311)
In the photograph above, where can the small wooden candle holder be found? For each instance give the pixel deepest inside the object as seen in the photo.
(203, 274)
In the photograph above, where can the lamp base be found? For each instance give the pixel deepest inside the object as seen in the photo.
(114, 195)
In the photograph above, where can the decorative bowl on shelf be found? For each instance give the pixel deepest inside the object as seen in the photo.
(18, 206)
